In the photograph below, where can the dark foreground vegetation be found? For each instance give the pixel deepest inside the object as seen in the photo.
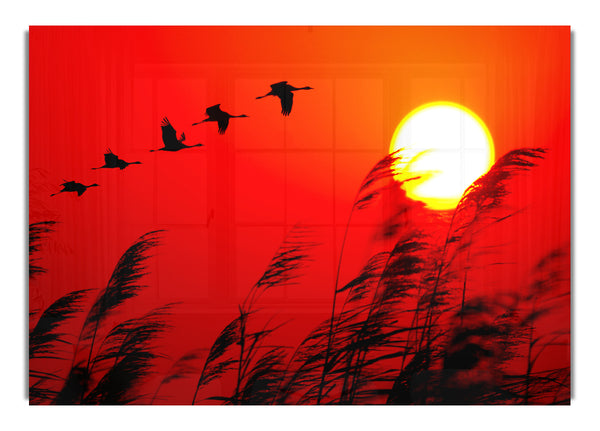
(411, 327)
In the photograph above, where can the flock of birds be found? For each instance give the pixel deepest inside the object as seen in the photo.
(171, 142)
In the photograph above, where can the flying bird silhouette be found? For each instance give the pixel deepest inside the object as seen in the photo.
(111, 160)
(283, 90)
(72, 186)
(170, 140)
(215, 113)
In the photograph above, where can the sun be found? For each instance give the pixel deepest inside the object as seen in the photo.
(445, 144)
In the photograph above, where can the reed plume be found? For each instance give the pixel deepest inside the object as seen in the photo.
(46, 341)
(371, 187)
(236, 346)
(37, 233)
(126, 357)
(44, 337)
(477, 209)
(112, 373)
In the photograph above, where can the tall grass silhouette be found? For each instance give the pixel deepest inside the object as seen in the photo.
(413, 326)
(405, 329)
(37, 233)
(238, 348)
(112, 372)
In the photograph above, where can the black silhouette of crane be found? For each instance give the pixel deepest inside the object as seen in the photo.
(170, 140)
(283, 90)
(72, 186)
(215, 113)
(111, 160)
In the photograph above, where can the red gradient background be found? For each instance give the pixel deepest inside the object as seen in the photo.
(227, 206)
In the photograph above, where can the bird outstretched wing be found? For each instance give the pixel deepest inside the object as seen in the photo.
(169, 135)
(214, 111)
(287, 100)
(110, 159)
(165, 124)
(223, 123)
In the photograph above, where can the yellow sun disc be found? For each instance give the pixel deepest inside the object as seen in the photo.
(445, 144)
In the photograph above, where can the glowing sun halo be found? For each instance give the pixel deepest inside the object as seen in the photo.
(448, 146)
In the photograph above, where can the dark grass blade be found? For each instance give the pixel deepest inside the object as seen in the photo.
(263, 380)
(126, 357)
(482, 204)
(43, 338)
(118, 385)
(130, 336)
(377, 337)
(374, 183)
(548, 293)
(39, 394)
(285, 266)
(360, 286)
(236, 347)
(386, 173)
(489, 192)
(481, 201)
(129, 352)
(365, 321)
(123, 284)
(220, 358)
(74, 387)
(304, 369)
(37, 233)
